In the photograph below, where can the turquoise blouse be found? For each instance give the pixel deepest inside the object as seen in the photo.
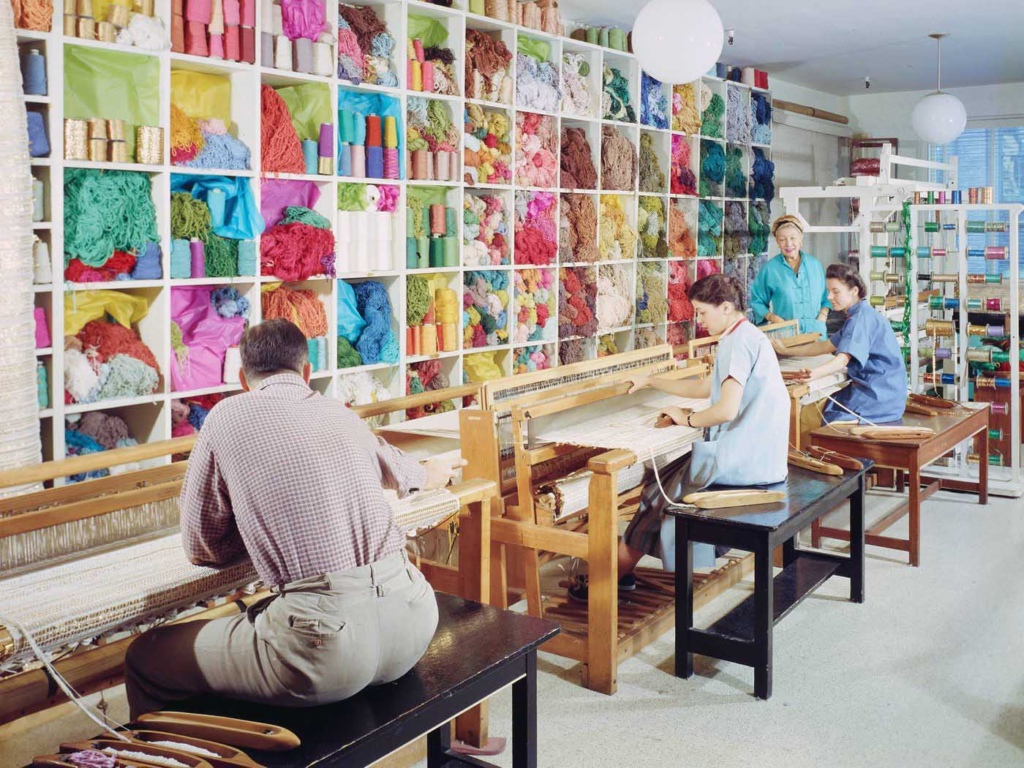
(789, 295)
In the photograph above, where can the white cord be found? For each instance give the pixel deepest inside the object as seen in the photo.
(63, 684)
(657, 477)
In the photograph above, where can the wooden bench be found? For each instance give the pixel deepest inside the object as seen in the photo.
(477, 651)
(744, 635)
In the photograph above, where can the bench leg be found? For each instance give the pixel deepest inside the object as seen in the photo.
(764, 598)
(524, 716)
(439, 741)
(816, 534)
(603, 601)
(915, 510)
(857, 541)
(684, 598)
(983, 468)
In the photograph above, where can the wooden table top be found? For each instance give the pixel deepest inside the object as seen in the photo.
(940, 424)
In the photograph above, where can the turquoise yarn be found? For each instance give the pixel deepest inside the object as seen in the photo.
(735, 178)
(712, 168)
(709, 228)
(375, 307)
(106, 211)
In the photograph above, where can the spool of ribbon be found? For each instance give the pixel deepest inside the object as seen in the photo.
(375, 162)
(33, 73)
(390, 132)
(181, 259)
(216, 199)
(198, 254)
(310, 155)
(149, 145)
(392, 169)
(282, 52)
(232, 365)
(322, 59)
(358, 160)
(76, 139)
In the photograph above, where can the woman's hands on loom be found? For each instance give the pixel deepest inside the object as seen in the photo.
(671, 416)
(636, 383)
(441, 470)
(780, 349)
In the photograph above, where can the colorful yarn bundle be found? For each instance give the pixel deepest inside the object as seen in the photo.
(530, 359)
(651, 221)
(615, 96)
(618, 160)
(280, 148)
(484, 231)
(577, 235)
(678, 336)
(735, 176)
(737, 235)
(229, 302)
(535, 304)
(615, 303)
(647, 338)
(711, 118)
(302, 307)
(107, 430)
(685, 114)
(616, 239)
(78, 444)
(577, 160)
(606, 346)
(683, 179)
(33, 14)
(762, 177)
(106, 211)
(377, 343)
(572, 351)
(427, 376)
(364, 47)
(578, 99)
(488, 68)
(761, 118)
(537, 84)
(679, 307)
(106, 361)
(186, 138)
(737, 128)
(536, 150)
(709, 229)
(120, 266)
(431, 140)
(220, 149)
(191, 220)
(651, 301)
(299, 247)
(680, 236)
(348, 356)
(577, 302)
(760, 227)
(712, 168)
(707, 267)
(484, 309)
(189, 414)
(487, 151)
(653, 103)
(652, 178)
(536, 238)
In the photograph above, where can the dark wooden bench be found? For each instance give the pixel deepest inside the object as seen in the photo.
(745, 634)
(477, 651)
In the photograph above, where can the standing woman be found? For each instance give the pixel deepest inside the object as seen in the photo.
(866, 346)
(746, 441)
(791, 286)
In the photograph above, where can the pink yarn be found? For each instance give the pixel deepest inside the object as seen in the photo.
(348, 45)
(388, 200)
(537, 155)
(706, 267)
(42, 331)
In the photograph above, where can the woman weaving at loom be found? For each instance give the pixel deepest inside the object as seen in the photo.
(745, 443)
(866, 346)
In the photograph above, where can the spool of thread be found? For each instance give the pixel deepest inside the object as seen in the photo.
(436, 252)
(232, 365)
(994, 459)
(885, 226)
(450, 333)
(417, 340)
(358, 161)
(451, 222)
(938, 378)
(983, 279)
(942, 302)
(42, 272)
(593, 35)
(311, 351)
(216, 200)
(985, 330)
(995, 252)
(602, 36)
(877, 301)
(146, 7)
(373, 131)
(417, 47)
(415, 75)
(97, 128)
(617, 41)
(247, 258)
(98, 150)
(38, 199)
(266, 47)
(149, 145)
(181, 259)
(443, 166)
(392, 170)
(42, 386)
(427, 76)
(437, 219)
(411, 253)
(326, 142)
(321, 352)
(117, 16)
(944, 328)
(248, 40)
(428, 340)
(991, 382)
(985, 305)
(390, 132)
(105, 31)
(1000, 409)
(422, 252)
(451, 251)
(420, 167)
(87, 27)
(957, 196)
(345, 160)
(33, 73)
(217, 45)
(935, 353)
(70, 25)
(116, 129)
(198, 257)
(325, 165)
(276, 20)
(303, 55)
(375, 163)
(479, 7)
(322, 59)
(76, 139)
(310, 155)
(748, 76)
(972, 195)
(282, 52)
(942, 198)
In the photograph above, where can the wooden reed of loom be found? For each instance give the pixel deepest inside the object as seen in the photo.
(493, 438)
(93, 669)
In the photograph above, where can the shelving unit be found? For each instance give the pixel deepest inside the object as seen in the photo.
(150, 416)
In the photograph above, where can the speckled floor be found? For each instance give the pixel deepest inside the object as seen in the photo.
(929, 671)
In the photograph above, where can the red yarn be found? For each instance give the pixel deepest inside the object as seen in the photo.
(108, 339)
(121, 263)
(679, 306)
(295, 251)
(181, 155)
(706, 267)
(206, 402)
(279, 143)
(532, 248)
(542, 314)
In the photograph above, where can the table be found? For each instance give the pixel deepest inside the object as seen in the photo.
(745, 634)
(911, 456)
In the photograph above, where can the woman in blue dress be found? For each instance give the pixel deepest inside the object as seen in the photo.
(791, 286)
(866, 346)
(746, 438)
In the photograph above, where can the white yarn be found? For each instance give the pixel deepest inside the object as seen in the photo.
(80, 379)
(146, 32)
(577, 91)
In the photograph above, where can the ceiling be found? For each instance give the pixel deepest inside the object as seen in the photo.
(831, 45)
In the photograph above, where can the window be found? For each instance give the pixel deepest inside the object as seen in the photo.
(988, 157)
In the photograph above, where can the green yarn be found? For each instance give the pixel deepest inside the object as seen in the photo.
(189, 217)
(735, 177)
(417, 299)
(348, 357)
(352, 197)
(106, 211)
(651, 225)
(221, 256)
(615, 97)
(711, 120)
(759, 227)
(712, 169)
(178, 343)
(709, 228)
(297, 214)
(652, 178)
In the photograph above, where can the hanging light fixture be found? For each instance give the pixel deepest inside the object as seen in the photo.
(677, 41)
(939, 117)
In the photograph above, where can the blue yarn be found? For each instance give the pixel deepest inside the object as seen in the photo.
(229, 302)
(761, 111)
(33, 73)
(197, 415)
(373, 304)
(148, 265)
(382, 45)
(762, 176)
(222, 151)
(653, 104)
(38, 145)
(79, 444)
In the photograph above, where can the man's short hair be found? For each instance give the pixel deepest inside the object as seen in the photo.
(273, 346)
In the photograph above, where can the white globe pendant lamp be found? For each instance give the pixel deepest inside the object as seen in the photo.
(939, 117)
(677, 41)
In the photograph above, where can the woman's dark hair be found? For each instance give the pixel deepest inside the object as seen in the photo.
(273, 346)
(718, 289)
(848, 277)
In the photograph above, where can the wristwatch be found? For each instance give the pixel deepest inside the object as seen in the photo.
(688, 420)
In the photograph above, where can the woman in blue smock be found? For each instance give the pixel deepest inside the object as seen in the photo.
(747, 428)
(791, 286)
(866, 346)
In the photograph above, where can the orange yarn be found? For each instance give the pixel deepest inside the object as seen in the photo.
(33, 14)
(279, 143)
(302, 307)
(680, 239)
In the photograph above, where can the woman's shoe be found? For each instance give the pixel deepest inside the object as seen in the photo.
(579, 586)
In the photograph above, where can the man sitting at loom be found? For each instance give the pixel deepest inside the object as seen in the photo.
(295, 481)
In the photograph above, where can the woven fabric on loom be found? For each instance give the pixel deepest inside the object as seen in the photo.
(818, 389)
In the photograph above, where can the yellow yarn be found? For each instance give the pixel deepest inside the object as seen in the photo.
(185, 131)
